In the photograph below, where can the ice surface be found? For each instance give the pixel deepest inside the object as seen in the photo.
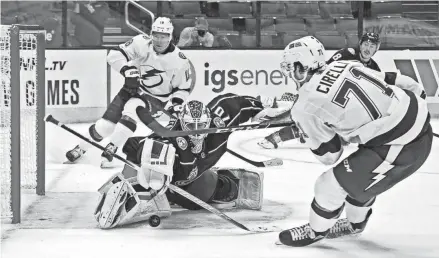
(61, 224)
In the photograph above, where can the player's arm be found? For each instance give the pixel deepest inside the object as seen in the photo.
(181, 81)
(234, 109)
(401, 81)
(121, 59)
(325, 144)
(404, 82)
(125, 53)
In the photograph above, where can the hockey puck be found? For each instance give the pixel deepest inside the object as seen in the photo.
(154, 221)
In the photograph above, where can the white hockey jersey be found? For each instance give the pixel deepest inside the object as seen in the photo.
(164, 76)
(351, 103)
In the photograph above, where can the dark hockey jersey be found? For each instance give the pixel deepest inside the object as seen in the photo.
(226, 110)
(352, 54)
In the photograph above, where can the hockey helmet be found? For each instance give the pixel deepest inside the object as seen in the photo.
(195, 116)
(302, 56)
(161, 33)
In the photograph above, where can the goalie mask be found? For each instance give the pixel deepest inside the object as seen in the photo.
(161, 34)
(301, 57)
(195, 116)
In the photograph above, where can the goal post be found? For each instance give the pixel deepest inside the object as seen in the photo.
(22, 110)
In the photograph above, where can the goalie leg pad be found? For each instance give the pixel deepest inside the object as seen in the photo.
(159, 205)
(120, 204)
(111, 204)
(250, 187)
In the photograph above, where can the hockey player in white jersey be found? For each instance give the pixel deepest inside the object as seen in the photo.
(157, 74)
(345, 102)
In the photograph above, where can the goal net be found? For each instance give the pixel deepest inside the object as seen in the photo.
(22, 106)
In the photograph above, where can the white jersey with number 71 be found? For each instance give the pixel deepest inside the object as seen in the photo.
(349, 102)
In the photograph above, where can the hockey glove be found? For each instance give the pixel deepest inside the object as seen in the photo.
(132, 76)
(174, 106)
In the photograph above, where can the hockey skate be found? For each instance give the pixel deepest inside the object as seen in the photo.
(271, 141)
(107, 156)
(300, 236)
(74, 154)
(345, 228)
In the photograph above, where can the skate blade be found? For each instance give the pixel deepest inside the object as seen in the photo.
(278, 243)
(68, 162)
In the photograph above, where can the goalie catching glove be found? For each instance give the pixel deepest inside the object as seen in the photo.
(132, 76)
(157, 164)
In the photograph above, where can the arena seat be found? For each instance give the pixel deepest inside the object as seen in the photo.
(330, 9)
(303, 9)
(181, 23)
(150, 5)
(335, 41)
(273, 9)
(220, 23)
(346, 24)
(290, 24)
(386, 9)
(235, 9)
(314, 25)
(186, 9)
(266, 25)
(352, 39)
(248, 40)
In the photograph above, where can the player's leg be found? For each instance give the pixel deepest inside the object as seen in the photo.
(104, 127)
(227, 188)
(127, 125)
(203, 188)
(362, 176)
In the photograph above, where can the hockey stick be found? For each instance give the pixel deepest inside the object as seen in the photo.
(266, 163)
(51, 119)
(160, 130)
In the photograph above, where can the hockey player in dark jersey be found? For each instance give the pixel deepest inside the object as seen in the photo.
(367, 47)
(188, 162)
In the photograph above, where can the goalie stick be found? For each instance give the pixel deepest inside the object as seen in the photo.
(266, 163)
(51, 119)
(160, 130)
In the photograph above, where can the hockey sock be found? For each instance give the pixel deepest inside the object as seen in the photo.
(124, 129)
(356, 212)
(101, 129)
(321, 219)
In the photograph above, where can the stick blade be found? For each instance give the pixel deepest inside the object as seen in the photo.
(273, 162)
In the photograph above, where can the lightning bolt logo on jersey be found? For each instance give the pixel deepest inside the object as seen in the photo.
(151, 77)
